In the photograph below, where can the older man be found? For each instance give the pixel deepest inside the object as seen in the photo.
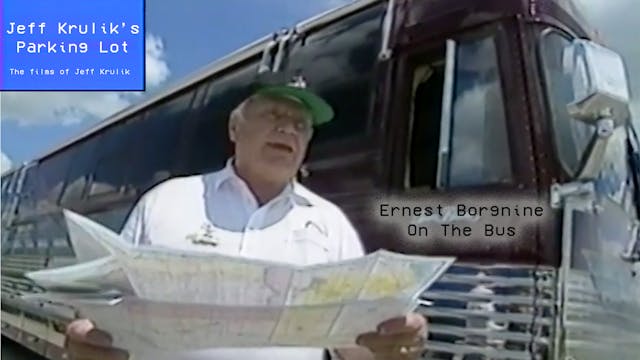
(257, 209)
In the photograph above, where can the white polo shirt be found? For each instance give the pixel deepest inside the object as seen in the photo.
(217, 212)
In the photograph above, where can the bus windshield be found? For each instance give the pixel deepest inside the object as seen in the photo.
(571, 138)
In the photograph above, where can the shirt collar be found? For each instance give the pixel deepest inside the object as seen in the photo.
(292, 191)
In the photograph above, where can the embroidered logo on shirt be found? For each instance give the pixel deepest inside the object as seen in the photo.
(204, 236)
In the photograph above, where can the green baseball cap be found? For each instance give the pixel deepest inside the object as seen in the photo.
(296, 89)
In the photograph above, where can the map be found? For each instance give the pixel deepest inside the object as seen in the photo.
(179, 300)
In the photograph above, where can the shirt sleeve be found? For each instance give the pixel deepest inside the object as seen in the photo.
(350, 242)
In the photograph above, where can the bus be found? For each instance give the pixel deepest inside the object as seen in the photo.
(433, 98)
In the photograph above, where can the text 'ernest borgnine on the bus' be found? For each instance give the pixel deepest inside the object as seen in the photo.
(499, 219)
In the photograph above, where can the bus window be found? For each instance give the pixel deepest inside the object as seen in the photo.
(7, 240)
(200, 96)
(111, 168)
(51, 176)
(155, 138)
(41, 239)
(479, 145)
(571, 137)
(5, 183)
(338, 62)
(23, 241)
(6, 196)
(82, 166)
(207, 128)
(27, 204)
(113, 218)
(52, 230)
(478, 140)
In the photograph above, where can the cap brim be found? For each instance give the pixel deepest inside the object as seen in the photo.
(320, 110)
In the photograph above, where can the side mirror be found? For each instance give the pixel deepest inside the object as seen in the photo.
(600, 85)
(601, 98)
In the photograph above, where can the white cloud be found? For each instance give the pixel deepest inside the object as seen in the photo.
(157, 70)
(5, 163)
(73, 107)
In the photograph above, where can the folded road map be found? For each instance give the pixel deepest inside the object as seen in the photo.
(181, 300)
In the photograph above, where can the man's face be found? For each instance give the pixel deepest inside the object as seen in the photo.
(271, 136)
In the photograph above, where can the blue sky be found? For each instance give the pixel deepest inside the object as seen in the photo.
(193, 33)
(184, 36)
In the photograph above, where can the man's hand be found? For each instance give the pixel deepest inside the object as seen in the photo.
(84, 342)
(397, 338)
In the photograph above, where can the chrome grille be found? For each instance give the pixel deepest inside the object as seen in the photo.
(491, 312)
(595, 330)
